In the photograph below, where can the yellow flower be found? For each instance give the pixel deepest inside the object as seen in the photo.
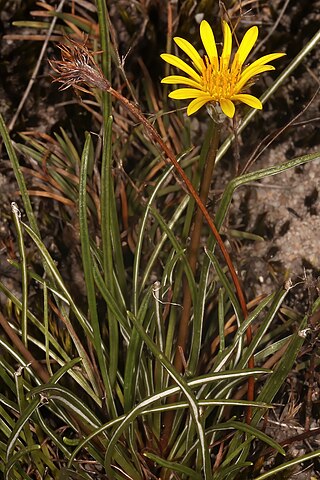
(214, 79)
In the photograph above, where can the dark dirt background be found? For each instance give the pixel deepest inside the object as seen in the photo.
(284, 210)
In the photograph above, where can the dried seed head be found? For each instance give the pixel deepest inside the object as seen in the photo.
(77, 67)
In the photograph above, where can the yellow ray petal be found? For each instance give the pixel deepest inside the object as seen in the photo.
(184, 93)
(250, 100)
(179, 80)
(227, 46)
(177, 62)
(227, 107)
(196, 104)
(190, 51)
(262, 61)
(209, 43)
(246, 45)
(251, 73)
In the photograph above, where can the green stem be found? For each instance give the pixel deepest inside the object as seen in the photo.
(195, 243)
(183, 332)
(105, 56)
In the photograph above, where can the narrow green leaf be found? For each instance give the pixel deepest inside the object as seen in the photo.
(24, 279)
(19, 177)
(18, 456)
(69, 400)
(88, 272)
(108, 232)
(173, 466)
(284, 466)
(21, 422)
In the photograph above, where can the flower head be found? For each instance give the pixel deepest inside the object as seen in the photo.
(77, 66)
(217, 79)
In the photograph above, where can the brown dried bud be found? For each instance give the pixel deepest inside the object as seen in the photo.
(77, 67)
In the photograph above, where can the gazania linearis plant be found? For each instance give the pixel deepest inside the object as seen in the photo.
(151, 392)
